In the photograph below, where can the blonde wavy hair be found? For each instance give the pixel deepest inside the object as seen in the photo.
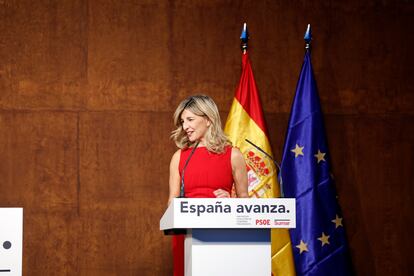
(201, 105)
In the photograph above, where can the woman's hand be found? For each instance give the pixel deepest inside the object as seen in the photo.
(220, 193)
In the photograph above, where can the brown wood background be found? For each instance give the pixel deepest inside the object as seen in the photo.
(87, 91)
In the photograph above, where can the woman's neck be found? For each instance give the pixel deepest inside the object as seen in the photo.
(201, 143)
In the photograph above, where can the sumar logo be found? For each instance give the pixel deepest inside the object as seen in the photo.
(284, 222)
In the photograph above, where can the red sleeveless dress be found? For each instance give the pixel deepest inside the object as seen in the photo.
(205, 173)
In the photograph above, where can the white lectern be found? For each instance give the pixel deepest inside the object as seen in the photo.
(11, 241)
(228, 236)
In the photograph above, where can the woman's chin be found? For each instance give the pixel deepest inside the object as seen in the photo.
(192, 139)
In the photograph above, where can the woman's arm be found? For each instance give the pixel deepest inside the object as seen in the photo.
(174, 181)
(239, 173)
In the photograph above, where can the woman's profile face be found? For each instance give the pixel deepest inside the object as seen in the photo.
(195, 126)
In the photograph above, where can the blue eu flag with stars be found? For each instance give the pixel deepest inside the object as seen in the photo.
(318, 241)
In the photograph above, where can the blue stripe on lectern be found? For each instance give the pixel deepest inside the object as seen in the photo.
(232, 235)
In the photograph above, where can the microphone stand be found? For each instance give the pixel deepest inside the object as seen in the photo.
(182, 193)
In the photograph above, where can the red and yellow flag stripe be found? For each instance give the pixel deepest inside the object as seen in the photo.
(246, 121)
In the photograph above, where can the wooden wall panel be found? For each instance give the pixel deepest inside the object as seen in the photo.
(128, 57)
(87, 91)
(43, 54)
(123, 173)
(382, 186)
(38, 171)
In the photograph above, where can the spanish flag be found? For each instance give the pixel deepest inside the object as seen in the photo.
(246, 121)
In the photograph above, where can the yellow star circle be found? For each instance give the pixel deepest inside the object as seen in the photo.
(297, 150)
(324, 239)
(320, 156)
(302, 247)
(337, 221)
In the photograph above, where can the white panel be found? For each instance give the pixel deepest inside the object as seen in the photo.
(185, 213)
(224, 252)
(11, 241)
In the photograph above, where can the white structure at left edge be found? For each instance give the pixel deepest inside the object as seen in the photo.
(11, 241)
(228, 236)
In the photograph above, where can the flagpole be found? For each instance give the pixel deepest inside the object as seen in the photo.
(244, 37)
(308, 38)
(306, 177)
(246, 120)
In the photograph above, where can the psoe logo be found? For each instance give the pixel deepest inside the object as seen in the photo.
(262, 221)
(283, 222)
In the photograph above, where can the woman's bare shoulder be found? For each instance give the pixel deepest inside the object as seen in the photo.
(236, 152)
(236, 155)
(176, 156)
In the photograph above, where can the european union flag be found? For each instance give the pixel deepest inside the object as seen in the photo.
(319, 242)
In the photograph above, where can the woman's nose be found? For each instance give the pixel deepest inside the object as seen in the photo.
(185, 126)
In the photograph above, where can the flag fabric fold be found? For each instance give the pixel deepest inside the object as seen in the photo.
(318, 241)
(246, 121)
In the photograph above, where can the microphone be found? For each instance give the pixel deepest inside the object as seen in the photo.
(265, 153)
(182, 194)
(271, 158)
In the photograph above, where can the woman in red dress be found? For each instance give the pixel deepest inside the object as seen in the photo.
(205, 154)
